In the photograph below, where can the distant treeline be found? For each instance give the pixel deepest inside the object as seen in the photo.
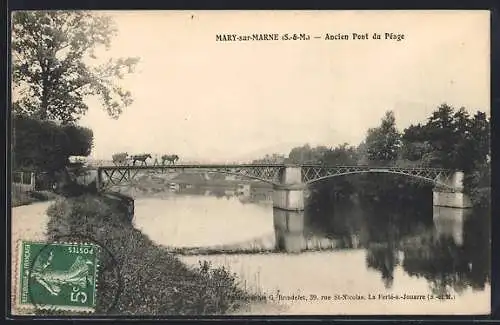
(451, 138)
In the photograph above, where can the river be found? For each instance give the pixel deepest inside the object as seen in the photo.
(386, 259)
(352, 250)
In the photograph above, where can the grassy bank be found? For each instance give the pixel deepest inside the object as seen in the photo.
(154, 281)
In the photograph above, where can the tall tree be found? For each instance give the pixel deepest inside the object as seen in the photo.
(480, 135)
(440, 131)
(301, 155)
(449, 139)
(54, 69)
(383, 142)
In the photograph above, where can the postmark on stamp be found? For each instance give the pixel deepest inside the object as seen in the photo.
(58, 276)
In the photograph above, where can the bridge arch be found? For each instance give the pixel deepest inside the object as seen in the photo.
(116, 175)
(382, 171)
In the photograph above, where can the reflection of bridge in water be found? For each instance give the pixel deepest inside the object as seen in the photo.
(289, 183)
(448, 223)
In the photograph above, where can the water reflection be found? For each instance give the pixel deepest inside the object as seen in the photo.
(447, 247)
(252, 195)
(449, 223)
(454, 254)
(383, 258)
(289, 230)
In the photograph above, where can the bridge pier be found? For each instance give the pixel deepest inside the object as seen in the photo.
(288, 210)
(442, 197)
(98, 182)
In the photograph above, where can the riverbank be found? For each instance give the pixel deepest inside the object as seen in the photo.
(176, 290)
(155, 282)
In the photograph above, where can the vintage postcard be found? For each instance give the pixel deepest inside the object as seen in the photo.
(250, 163)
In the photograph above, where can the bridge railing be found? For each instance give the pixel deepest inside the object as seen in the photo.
(272, 172)
(376, 167)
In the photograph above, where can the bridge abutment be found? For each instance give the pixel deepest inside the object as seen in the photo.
(444, 197)
(288, 210)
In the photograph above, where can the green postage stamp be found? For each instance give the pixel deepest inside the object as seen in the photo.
(58, 276)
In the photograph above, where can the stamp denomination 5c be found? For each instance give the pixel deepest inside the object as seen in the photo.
(59, 276)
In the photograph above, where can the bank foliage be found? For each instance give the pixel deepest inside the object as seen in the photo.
(45, 146)
(153, 281)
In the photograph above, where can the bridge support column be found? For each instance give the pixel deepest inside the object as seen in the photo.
(98, 181)
(288, 210)
(442, 197)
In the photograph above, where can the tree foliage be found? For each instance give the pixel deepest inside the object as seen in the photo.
(450, 139)
(270, 159)
(46, 146)
(54, 65)
(343, 154)
(383, 142)
(307, 154)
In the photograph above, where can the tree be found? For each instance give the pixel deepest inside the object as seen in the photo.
(449, 139)
(383, 142)
(301, 155)
(416, 146)
(480, 135)
(270, 159)
(54, 69)
(340, 155)
(45, 145)
(455, 140)
(441, 133)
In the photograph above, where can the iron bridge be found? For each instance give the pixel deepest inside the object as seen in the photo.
(271, 173)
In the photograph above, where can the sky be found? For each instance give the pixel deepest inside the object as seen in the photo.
(235, 101)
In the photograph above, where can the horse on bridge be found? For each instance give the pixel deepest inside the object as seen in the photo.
(120, 159)
(172, 159)
(142, 158)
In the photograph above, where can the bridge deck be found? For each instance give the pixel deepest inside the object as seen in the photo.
(272, 173)
(222, 166)
(204, 166)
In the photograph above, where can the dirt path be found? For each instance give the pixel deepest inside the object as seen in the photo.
(28, 222)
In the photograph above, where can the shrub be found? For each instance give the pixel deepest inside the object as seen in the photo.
(80, 140)
(20, 197)
(45, 145)
(477, 184)
(155, 282)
